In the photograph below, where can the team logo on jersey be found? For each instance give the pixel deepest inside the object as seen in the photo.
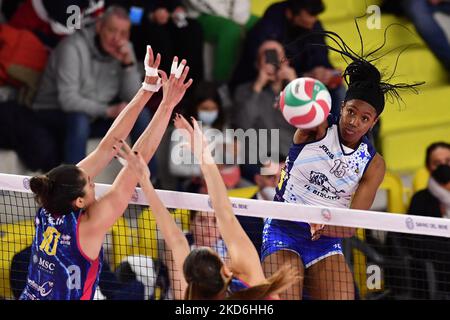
(65, 240)
(321, 180)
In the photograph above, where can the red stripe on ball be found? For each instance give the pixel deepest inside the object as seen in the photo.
(325, 107)
(304, 119)
(309, 88)
(281, 102)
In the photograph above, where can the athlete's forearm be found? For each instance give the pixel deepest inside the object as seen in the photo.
(216, 188)
(95, 162)
(150, 139)
(125, 121)
(171, 232)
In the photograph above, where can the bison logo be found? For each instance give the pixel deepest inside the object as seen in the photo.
(321, 180)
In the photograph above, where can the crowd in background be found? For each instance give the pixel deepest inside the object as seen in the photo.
(61, 86)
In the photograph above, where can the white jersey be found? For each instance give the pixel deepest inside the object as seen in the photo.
(322, 173)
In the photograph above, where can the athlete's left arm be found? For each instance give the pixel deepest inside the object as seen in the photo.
(364, 195)
(97, 160)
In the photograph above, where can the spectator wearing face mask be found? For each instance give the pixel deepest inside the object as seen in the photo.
(204, 105)
(434, 201)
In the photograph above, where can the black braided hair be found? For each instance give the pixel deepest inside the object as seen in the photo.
(361, 73)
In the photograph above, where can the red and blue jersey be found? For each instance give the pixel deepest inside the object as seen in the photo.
(58, 269)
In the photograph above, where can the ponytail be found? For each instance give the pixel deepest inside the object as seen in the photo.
(42, 188)
(280, 281)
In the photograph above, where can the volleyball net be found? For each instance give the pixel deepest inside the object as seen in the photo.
(390, 256)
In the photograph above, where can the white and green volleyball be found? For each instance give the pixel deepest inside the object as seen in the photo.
(305, 103)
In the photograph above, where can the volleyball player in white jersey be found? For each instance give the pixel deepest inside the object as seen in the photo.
(332, 165)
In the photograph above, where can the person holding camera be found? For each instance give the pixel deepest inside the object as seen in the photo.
(296, 25)
(255, 100)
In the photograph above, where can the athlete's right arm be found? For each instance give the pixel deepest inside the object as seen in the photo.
(244, 257)
(173, 236)
(97, 160)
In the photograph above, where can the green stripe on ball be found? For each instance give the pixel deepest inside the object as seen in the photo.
(318, 86)
(291, 100)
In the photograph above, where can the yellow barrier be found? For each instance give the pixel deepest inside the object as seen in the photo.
(17, 236)
(420, 180)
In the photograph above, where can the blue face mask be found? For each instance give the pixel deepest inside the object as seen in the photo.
(207, 117)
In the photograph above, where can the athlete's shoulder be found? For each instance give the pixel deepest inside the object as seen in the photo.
(377, 167)
(370, 147)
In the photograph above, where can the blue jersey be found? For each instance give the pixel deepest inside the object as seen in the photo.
(236, 285)
(58, 268)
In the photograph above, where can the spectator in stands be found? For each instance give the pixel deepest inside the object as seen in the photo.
(34, 144)
(205, 105)
(51, 20)
(224, 25)
(88, 80)
(425, 14)
(205, 233)
(434, 201)
(255, 100)
(288, 22)
(163, 24)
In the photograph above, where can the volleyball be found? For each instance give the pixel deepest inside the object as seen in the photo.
(305, 103)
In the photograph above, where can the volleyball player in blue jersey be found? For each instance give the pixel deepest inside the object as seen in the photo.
(71, 224)
(332, 165)
(200, 272)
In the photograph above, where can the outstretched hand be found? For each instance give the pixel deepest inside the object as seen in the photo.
(152, 80)
(133, 160)
(175, 86)
(196, 141)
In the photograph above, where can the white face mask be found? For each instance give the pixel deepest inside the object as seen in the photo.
(208, 117)
(268, 193)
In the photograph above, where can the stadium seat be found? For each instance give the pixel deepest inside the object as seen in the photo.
(258, 7)
(394, 187)
(14, 238)
(147, 234)
(246, 192)
(122, 236)
(420, 179)
(396, 36)
(407, 130)
(345, 9)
